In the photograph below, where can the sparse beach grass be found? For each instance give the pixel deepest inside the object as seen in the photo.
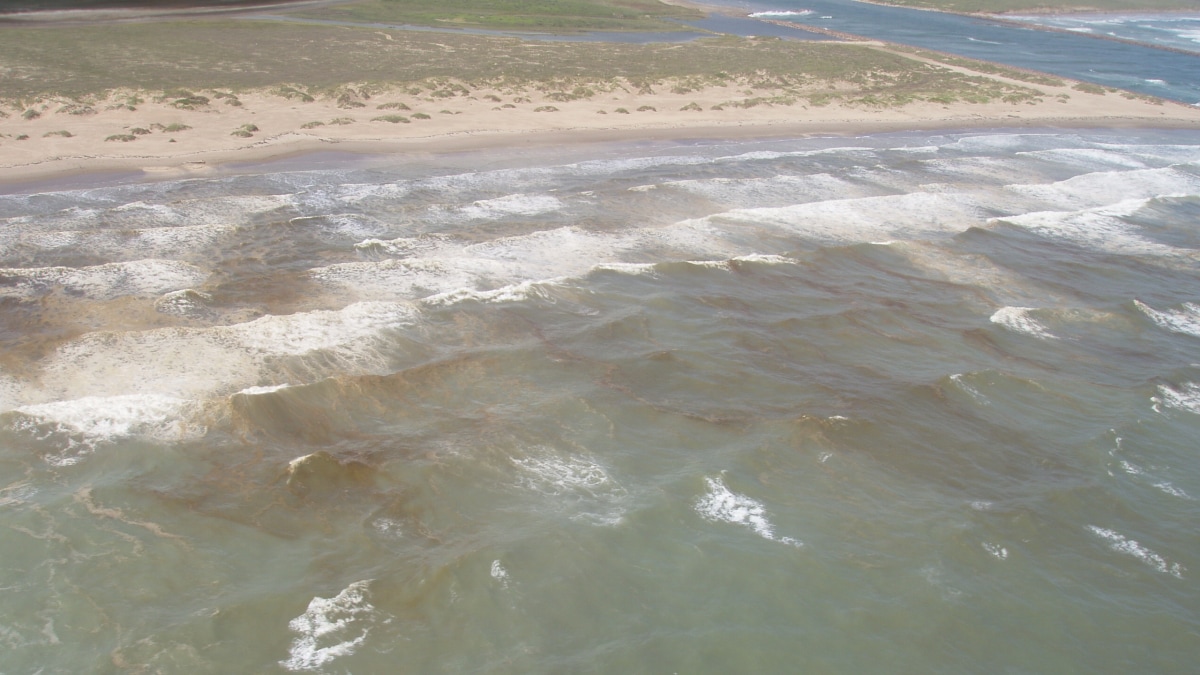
(544, 15)
(223, 56)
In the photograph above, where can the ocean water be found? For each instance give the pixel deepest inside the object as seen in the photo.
(1173, 30)
(902, 403)
(1078, 54)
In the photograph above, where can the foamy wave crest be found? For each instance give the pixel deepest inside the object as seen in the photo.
(198, 362)
(331, 628)
(721, 505)
(127, 243)
(577, 482)
(867, 218)
(785, 189)
(1102, 188)
(1089, 158)
(81, 425)
(1186, 398)
(185, 302)
(1122, 544)
(298, 334)
(1185, 320)
(103, 282)
(512, 205)
(1102, 228)
(1018, 319)
(780, 14)
(513, 293)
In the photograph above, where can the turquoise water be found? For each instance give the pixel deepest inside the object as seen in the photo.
(905, 403)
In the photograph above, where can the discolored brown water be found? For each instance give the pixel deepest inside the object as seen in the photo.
(903, 403)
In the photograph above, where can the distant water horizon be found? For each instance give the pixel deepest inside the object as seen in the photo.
(917, 402)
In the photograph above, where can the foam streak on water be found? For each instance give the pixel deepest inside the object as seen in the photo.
(910, 403)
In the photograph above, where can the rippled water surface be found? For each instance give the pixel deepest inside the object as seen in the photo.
(890, 404)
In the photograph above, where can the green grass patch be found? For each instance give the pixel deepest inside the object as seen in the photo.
(122, 138)
(351, 64)
(544, 15)
(394, 119)
(64, 134)
(421, 116)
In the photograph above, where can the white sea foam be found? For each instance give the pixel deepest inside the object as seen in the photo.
(1092, 159)
(1102, 228)
(499, 573)
(85, 424)
(1122, 544)
(442, 270)
(1185, 320)
(975, 394)
(184, 302)
(512, 205)
(996, 550)
(781, 14)
(721, 505)
(782, 189)
(331, 628)
(512, 293)
(1094, 190)
(104, 282)
(1018, 319)
(1185, 398)
(910, 215)
(259, 391)
(199, 362)
(577, 483)
(1170, 489)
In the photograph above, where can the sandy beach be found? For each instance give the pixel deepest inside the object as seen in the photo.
(159, 137)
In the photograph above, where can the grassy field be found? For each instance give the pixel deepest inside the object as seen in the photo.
(543, 15)
(1001, 6)
(299, 60)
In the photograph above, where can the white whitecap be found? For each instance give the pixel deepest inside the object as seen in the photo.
(115, 417)
(1018, 319)
(331, 628)
(1185, 320)
(259, 391)
(199, 362)
(104, 282)
(512, 205)
(1186, 398)
(1102, 228)
(1122, 544)
(577, 483)
(722, 505)
(1103, 188)
(499, 573)
(996, 550)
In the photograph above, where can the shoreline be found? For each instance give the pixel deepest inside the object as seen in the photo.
(161, 139)
(19, 179)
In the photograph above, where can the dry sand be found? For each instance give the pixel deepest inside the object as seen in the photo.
(484, 119)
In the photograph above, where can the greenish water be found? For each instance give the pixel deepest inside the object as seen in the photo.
(912, 403)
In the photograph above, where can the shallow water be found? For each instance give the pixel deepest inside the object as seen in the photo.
(906, 403)
(1077, 55)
